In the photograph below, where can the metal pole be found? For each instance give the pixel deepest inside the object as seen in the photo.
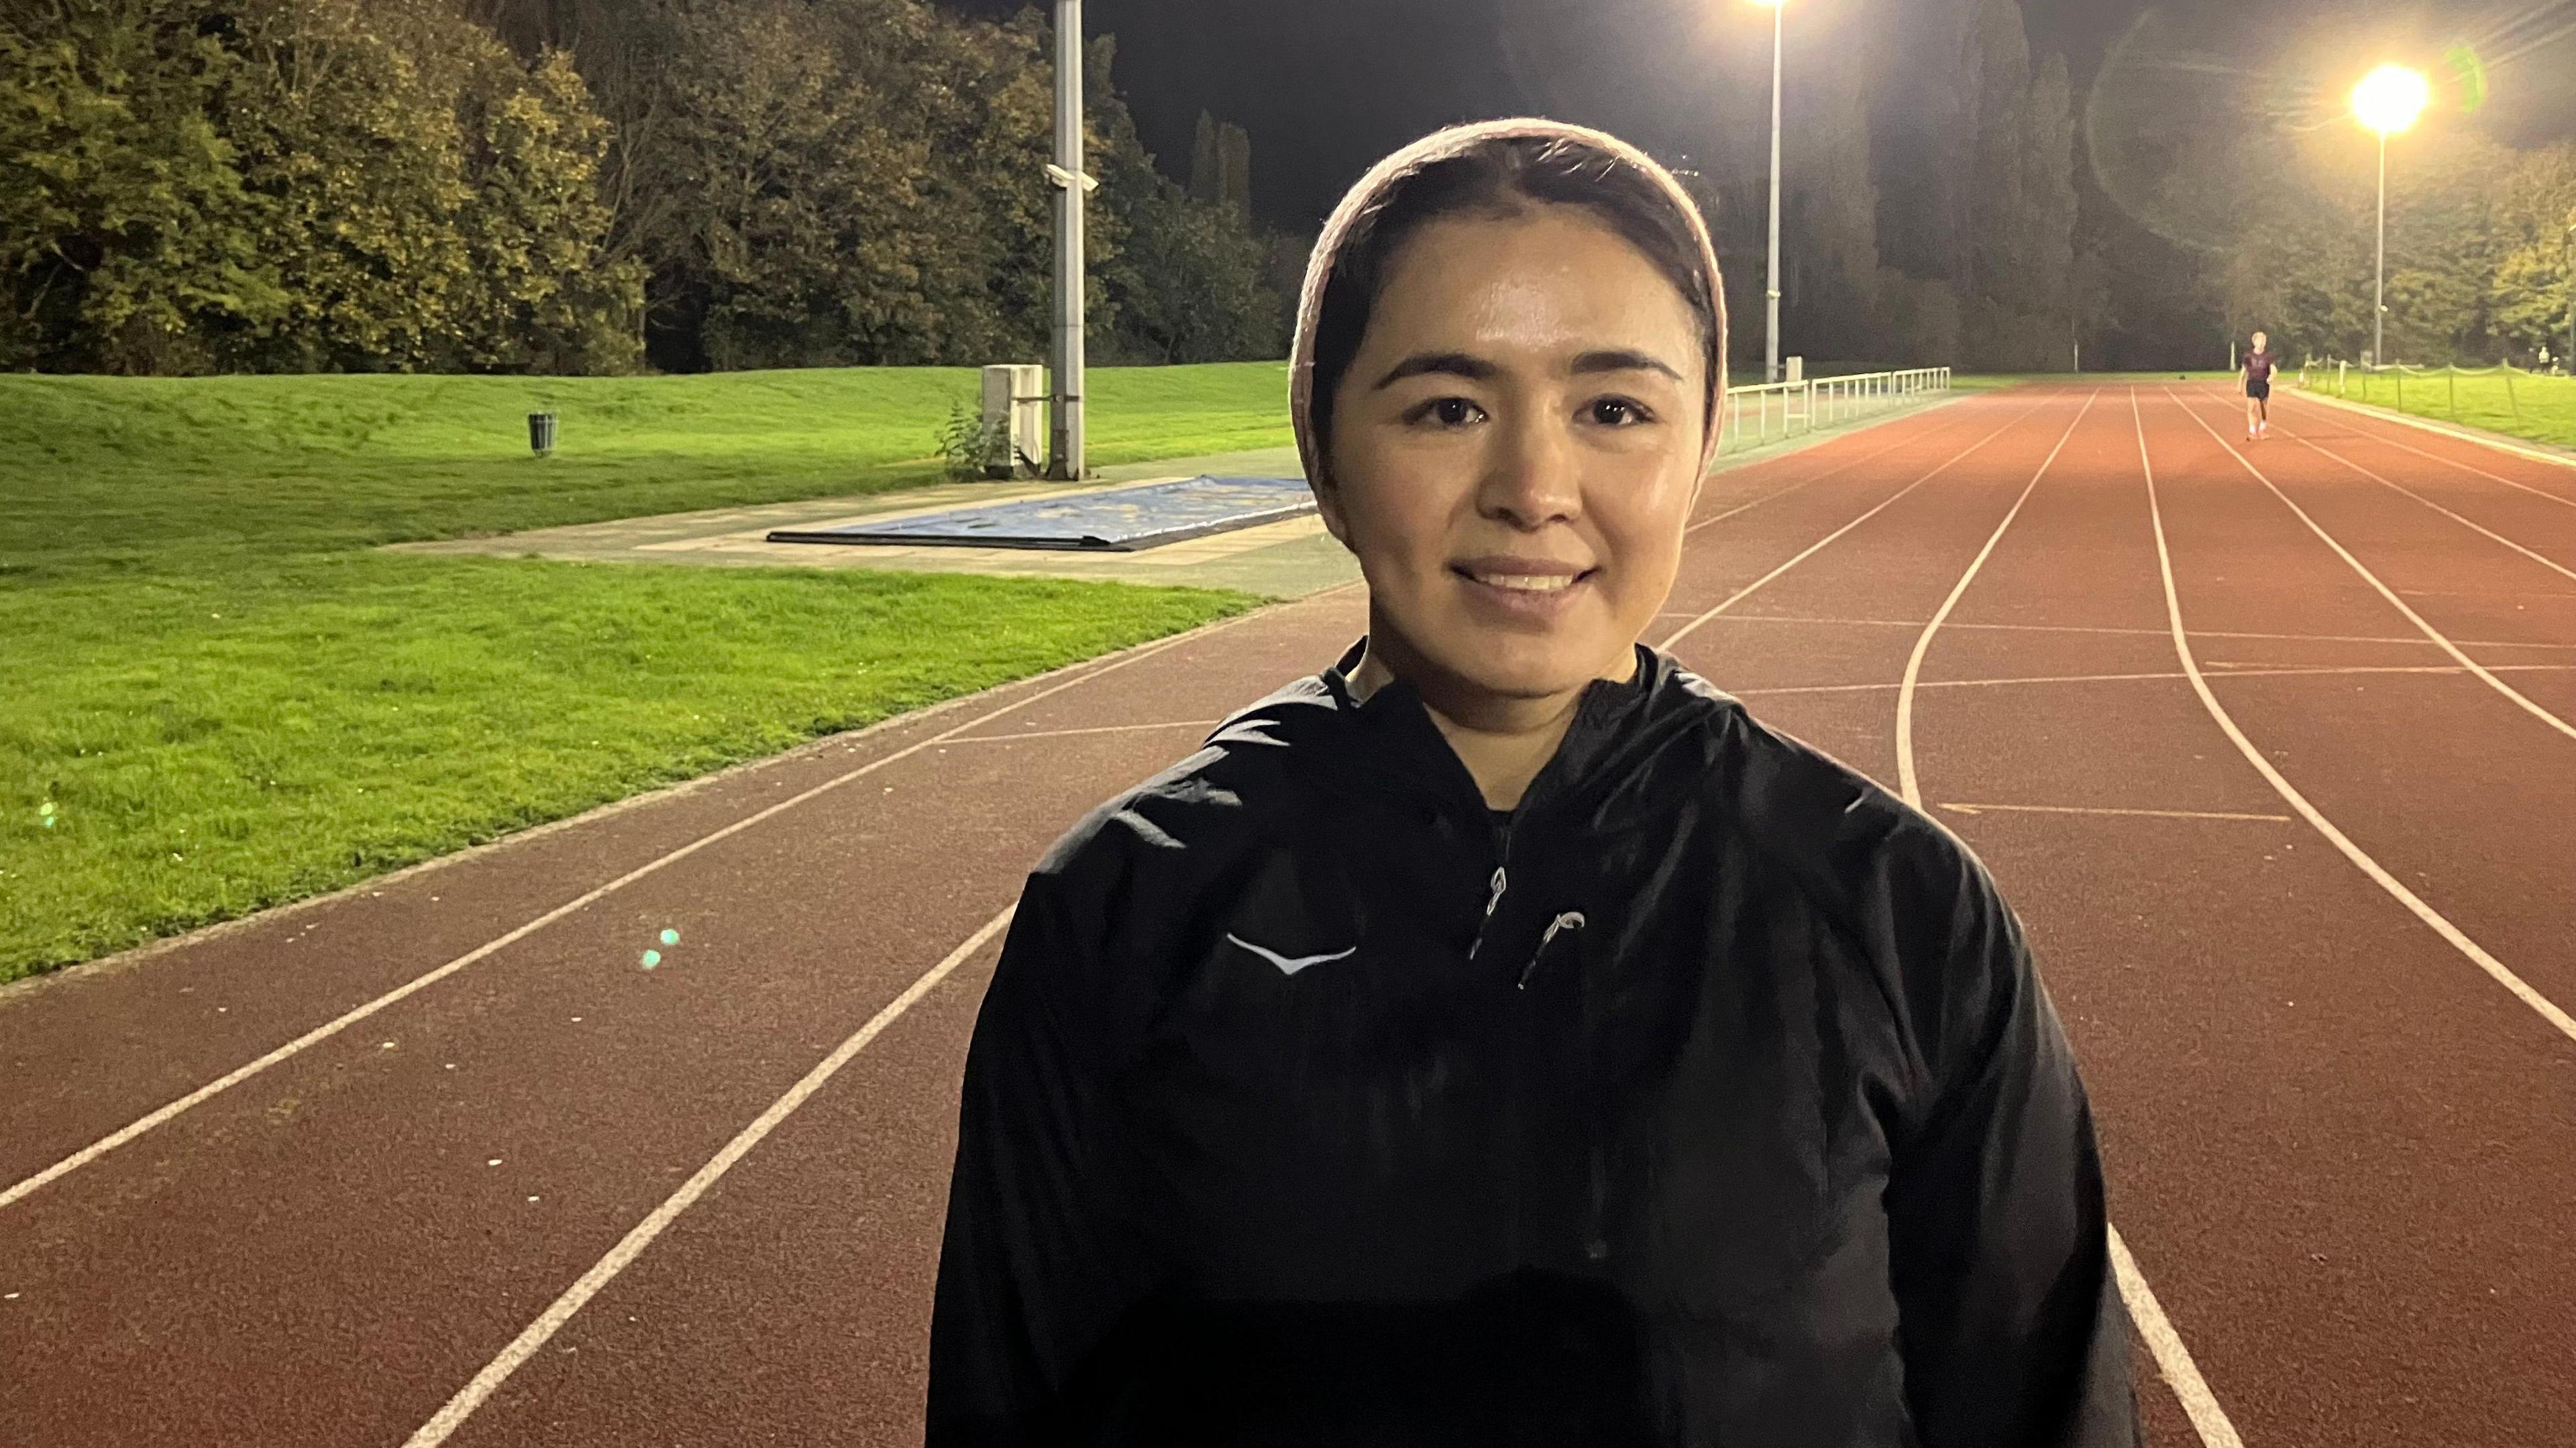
(2379, 293)
(1771, 332)
(1064, 452)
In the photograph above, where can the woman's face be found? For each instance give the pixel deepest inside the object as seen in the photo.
(1515, 451)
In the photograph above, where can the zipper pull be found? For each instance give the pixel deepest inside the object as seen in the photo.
(1570, 920)
(1493, 902)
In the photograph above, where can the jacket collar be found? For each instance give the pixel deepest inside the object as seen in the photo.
(1400, 748)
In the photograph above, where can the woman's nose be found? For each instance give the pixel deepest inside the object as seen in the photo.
(1533, 477)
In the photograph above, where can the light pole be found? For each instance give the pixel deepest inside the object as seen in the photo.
(1771, 326)
(2388, 101)
(1064, 449)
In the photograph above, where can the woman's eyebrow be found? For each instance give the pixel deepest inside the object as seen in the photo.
(1622, 360)
(1453, 364)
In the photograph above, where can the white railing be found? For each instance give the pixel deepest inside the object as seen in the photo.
(1768, 413)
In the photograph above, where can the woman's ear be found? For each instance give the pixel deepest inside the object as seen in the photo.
(1328, 498)
(1328, 503)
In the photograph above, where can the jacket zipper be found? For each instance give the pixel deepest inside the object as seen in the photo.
(1501, 883)
(1570, 920)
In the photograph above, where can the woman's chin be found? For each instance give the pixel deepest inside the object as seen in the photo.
(1527, 668)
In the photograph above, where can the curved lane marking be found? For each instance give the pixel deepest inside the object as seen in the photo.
(1906, 783)
(2561, 569)
(2172, 1358)
(2459, 940)
(2417, 619)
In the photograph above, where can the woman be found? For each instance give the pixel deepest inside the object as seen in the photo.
(2256, 373)
(1501, 1037)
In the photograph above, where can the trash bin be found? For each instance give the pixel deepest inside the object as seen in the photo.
(541, 433)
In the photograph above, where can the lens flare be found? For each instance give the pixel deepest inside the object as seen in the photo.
(2468, 77)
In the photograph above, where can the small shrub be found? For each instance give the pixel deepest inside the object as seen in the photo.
(967, 443)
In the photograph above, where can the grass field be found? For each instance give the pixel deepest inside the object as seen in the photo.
(221, 697)
(2518, 404)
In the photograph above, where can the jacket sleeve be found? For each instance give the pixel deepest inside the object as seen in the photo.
(1041, 1258)
(2009, 1319)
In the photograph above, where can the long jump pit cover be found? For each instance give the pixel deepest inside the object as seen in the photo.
(1114, 520)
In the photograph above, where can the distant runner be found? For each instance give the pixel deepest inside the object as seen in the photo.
(2258, 389)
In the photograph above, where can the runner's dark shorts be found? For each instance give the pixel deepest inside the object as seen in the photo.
(2259, 391)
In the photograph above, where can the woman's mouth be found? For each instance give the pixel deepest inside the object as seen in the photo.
(1522, 588)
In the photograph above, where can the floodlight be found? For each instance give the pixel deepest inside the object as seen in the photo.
(2391, 98)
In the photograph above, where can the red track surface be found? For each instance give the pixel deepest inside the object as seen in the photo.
(2341, 1149)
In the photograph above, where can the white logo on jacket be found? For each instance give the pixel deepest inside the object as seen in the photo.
(1288, 966)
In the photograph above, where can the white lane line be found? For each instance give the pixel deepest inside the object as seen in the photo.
(2133, 1285)
(1812, 549)
(2459, 940)
(1071, 733)
(1955, 684)
(2172, 1358)
(2238, 669)
(2234, 671)
(548, 1323)
(2417, 643)
(2417, 619)
(2433, 427)
(1818, 477)
(2549, 563)
(327, 1030)
(2079, 809)
(1907, 784)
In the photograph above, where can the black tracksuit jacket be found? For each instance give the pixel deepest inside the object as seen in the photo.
(1708, 1099)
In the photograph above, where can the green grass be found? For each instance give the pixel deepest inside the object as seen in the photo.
(229, 699)
(2542, 409)
(160, 473)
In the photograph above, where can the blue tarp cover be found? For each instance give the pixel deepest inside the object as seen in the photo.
(1118, 520)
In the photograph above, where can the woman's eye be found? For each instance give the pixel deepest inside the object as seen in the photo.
(1619, 412)
(1448, 412)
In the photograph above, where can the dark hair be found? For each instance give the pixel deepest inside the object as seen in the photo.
(1503, 176)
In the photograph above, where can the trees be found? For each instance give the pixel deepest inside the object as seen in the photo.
(2015, 217)
(1221, 164)
(194, 185)
(2530, 293)
(1974, 164)
(1193, 283)
(124, 225)
(2475, 270)
(863, 181)
(297, 184)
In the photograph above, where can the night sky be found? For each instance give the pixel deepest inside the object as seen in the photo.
(1327, 86)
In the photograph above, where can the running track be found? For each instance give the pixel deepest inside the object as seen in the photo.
(2273, 746)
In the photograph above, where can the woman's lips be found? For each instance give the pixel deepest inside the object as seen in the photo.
(1522, 589)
